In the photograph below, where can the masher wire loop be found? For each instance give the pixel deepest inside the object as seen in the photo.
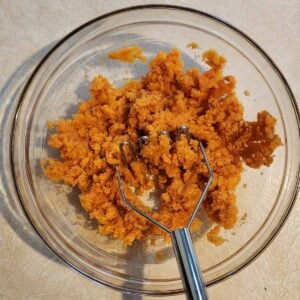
(144, 140)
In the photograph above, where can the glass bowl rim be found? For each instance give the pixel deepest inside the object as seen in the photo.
(179, 8)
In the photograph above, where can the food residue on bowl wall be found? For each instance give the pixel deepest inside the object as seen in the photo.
(165, 98)
(193, 45)
(128, 54)
(246, 93)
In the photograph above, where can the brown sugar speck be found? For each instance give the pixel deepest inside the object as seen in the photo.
(244, 185)
(246, 93)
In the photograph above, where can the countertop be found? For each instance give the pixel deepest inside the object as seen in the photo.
(28, 28)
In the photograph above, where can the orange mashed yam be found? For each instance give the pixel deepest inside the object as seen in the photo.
(165, 98)
(128, 54)
(214, 237)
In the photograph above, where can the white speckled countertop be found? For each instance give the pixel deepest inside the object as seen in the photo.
(28, 269)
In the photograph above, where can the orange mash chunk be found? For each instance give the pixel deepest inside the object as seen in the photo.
(214, 236)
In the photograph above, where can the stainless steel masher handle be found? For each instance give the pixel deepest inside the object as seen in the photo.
(188, 264)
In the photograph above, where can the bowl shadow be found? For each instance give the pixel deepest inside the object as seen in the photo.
(10, 206)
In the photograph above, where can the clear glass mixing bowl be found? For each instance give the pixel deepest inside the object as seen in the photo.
(61, 81)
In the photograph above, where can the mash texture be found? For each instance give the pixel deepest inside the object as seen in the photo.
(165, 98)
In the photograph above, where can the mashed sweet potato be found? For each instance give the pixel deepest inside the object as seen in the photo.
(165, 98)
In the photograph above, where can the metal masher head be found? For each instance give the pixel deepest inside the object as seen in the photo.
(144, 140)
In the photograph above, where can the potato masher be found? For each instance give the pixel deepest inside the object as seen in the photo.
(181, 238)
